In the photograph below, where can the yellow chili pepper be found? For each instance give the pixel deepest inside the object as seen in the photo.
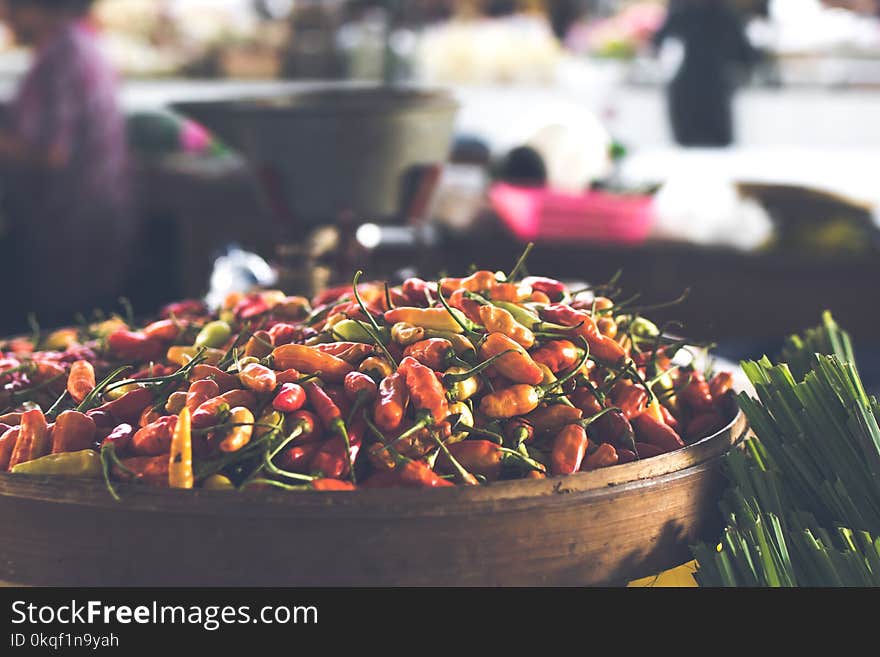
(217, 482)
(498, 320)
(85, 463)
(467, 419)
(406, 334)
(516, 400)
(238, 436)
(180, 470)
(429, 318)
(462, 390)
(180, 355)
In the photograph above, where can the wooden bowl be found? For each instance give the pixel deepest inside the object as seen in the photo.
(602, 527)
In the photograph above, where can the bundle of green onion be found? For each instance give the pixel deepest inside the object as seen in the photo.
(804, 499)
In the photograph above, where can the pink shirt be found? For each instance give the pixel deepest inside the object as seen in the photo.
(69, 99)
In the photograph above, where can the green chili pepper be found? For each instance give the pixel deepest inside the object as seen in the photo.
(86, 463)
(214, 335)
(352, 330)
(519, 313)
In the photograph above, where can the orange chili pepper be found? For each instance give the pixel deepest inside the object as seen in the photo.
(80, 380)
(553, 416)
(509, 402)
(351, 352)
(73, 432)
(649, 430)
(517, 366)
(7, 445)
(558, 355)
(155, 438)
(240, 398)
(407, 474)
(425, 390)
(258, 378)
(310, 361)
(33, 438)
(603, 456)
(433, 352)
(479, 281)
(238, 436)
(259, 345)
(569, 448)
(199, 392)
(391, 403)
(499, 320)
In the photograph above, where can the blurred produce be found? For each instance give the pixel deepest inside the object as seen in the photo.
(622, 35)
(516, 49)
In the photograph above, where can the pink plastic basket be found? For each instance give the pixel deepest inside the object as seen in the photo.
(545, 215)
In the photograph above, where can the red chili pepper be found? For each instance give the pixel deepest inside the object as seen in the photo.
(155, 438)
(360, 387)
(696, 395)
(284, 334)
(332, 484)
(331, 417)
(164, 330)
(569, 448)
(554, 290)
(425, 390)
(632, 399)
(407, 474)
(129, 407)
(152, 470)
(309, 427)
(288, 376)
(224, 380)
(199, 392)
(291, 397)
(626, 455)
(7, 445)
(601, 347)
(720, 384)
(119, 438)
(134, 346)
(433, 352)
(669, 418)
(298, 458)
(186, 308)
(240, 397)
(419, 293)
(704, 425)
(649, 430)
(584, 398)
(614, 428)
(210, 413)
(647, 450)
(391, 403)
(332, 460)
(73, 432)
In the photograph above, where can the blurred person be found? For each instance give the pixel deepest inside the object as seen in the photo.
(63, 169)
(700, 95)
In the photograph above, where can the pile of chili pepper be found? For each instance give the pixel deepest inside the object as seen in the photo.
(426, 384)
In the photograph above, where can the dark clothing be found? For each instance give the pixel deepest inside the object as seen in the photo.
(71, 227)
(701, 94)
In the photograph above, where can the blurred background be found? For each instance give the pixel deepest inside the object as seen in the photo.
(725, 148)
